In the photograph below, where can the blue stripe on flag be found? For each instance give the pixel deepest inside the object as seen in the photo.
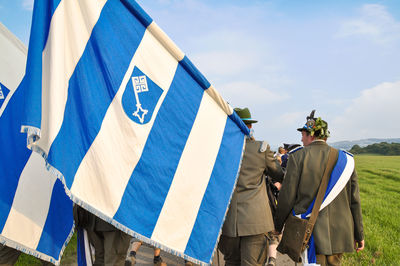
(135, 9)
(14, 153)
(238, 121)
(217, 196)
(58, 224)
(101, 68)
(146, 191)
(43, 11)
(195, 73)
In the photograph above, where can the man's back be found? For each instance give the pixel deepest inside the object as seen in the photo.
(249, 211)
(339, 222)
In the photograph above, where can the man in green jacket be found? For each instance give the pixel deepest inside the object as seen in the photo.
(244, 240)
(339, 226)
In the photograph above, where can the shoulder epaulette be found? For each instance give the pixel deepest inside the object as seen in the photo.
(296, 149)
(263, 146)
(348, 153)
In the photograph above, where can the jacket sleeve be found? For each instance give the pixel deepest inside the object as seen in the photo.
(272, 166)
(288, 193)
(356, 208)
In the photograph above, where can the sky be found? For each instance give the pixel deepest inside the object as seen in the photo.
(282, 59)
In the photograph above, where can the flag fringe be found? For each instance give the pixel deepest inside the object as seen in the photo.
(33, 135)
(12, 244)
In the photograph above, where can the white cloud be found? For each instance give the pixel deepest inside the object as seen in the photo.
(374, 23)
(374, 114)
(27, 4)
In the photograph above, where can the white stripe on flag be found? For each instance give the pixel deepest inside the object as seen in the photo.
(12, 58)
(190, 182)
(70, 29)
(218, 99)
(166, 41)
(13, 61)
(31, 203)
(101, 178)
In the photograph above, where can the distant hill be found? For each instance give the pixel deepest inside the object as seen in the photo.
(382, 148)
(347, 145)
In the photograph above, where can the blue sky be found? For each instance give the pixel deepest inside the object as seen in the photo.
(284, 58)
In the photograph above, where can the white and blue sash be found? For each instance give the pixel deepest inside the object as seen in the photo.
(84, 249)
(340, 175)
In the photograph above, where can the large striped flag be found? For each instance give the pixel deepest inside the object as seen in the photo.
(35, 212)
(135, 132)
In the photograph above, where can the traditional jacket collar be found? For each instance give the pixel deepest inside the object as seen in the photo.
(318, 142)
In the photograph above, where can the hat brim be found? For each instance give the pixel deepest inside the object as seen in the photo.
(249, 121)
(301, 129)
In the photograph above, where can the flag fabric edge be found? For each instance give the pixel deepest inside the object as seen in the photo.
(12, 244)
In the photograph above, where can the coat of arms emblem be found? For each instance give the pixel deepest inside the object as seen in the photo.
(140, 97)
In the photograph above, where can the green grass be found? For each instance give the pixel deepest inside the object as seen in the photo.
(379, 181)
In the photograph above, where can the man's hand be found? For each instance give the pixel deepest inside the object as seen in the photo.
(278, 185)
(359, 245)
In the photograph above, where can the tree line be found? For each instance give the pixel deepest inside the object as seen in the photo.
(382, 148)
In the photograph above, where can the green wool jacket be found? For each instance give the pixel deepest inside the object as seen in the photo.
(338, 224)
(249, 212)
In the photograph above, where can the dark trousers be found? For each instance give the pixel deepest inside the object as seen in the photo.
(8, 256)
(329, 260)
(110, 246)
(244, 250)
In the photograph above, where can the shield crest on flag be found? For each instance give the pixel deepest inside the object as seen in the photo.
(140, 97)
(3, 94)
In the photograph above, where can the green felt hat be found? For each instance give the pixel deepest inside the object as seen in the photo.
(245, 115)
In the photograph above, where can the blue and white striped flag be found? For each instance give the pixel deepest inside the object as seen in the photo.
(35, 212)
(340, 176)
(137, 134)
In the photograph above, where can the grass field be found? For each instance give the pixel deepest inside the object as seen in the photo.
(379, 180)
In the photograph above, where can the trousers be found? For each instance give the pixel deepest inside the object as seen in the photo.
(244, 250)
(329, 260)
(110, 246)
